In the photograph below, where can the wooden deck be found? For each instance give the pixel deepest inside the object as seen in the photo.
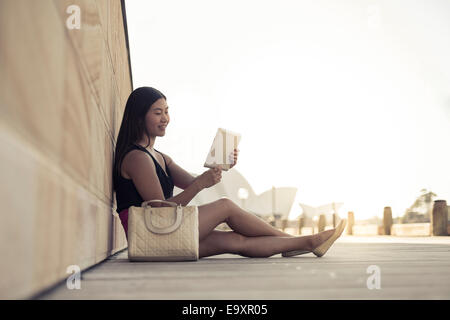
(410, 268)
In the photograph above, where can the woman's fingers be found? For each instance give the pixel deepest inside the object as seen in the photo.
(235, 157)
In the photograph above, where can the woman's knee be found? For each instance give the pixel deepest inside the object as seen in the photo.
(225, 206)
(228, 206)
(225, 202)
(221, 208)
(222, 203)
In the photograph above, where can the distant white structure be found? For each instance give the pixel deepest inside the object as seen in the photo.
(235, 187)
(309, 212)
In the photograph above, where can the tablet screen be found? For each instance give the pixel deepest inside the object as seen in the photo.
(222, 149)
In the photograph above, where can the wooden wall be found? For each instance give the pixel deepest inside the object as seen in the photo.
(62, 95)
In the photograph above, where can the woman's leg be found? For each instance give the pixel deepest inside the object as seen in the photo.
(241, 221)
(252, 237)
(219, 242)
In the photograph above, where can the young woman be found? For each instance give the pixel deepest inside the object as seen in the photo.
(142, 172)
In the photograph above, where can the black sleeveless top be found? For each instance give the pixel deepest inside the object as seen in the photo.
(126, 192)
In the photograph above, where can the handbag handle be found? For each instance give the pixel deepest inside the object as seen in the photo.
(170, 203)
(165, 230)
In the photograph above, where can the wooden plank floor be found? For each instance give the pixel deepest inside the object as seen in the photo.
(410, 268)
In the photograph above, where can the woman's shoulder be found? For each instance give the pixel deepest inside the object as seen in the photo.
(133, 156)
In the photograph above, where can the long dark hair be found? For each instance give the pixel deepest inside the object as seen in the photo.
(133, 127)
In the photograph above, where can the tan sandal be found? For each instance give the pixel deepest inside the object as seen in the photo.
(320, 250)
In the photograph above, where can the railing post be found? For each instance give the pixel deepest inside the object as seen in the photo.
(350, 222)
(322, 222)
(387, 220)
(283, 224)
(301, 223)
(439, 218)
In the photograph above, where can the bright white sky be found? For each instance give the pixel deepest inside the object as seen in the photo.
(349, 101)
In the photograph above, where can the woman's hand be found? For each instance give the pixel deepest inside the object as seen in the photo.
(210, 177)
(233, 157)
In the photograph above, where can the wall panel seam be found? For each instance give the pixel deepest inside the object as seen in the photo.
(110, 57)
(94, 93)
(87, 76)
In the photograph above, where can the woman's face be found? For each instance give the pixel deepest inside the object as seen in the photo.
(157, 118)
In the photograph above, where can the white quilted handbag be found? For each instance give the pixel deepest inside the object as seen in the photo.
(162, 233)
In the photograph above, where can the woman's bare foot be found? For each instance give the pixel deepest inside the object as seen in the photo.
(321, 237)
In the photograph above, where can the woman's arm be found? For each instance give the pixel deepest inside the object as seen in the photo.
(143, 173)
(187, 195)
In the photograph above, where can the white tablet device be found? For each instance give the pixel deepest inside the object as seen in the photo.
(221, 152)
